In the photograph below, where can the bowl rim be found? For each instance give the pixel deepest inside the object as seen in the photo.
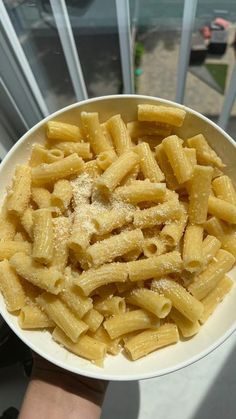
(100, 374)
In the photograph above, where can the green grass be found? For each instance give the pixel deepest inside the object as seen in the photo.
(219, 74)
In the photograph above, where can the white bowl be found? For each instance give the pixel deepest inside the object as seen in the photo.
(216, 330)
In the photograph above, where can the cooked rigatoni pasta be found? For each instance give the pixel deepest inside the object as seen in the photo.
(222, 209)
(11, 287)
(62, 194)
(110, 306)
(92, 279)
(48, 279)
(106, 221)
(93, 318)
(211, 301)
(118, 235)
(205, 154)
(181, 299)
(179, 162)
(43, 243)
(32, 317)
(73, 297)
(165, 114)
(148, 164)
(223, 232)
(216, 227)
(141, 191)
(42, 197)
(82, 230)
(224, 189)
(19, 195)
(186, 326)
(150, 301)
(166, 167)
(7, 224)
(109, 249)
(157, 215)
(139, 129)
(154, 246)
(150, 340)
(82, 149)
(117, 171)
(215, 271)
(61, 234)
(199, 193)
(119, 133)
(210, 247)
(191, 155)
(9, 247)
(64, 168)
(40, 155)
(94, 132)
(106, 158)
(131, 175)
(62, 316)
(112, 345)
(173, 231)
(57, 130)
(86, 347)
(154, 266)
(27, 221)
(192, 248)
(120, 324)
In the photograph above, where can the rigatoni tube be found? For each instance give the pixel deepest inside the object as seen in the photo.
(181, 299)
(82, 149)
(57, 130)
(19, 194)
(143, 269)
(32, 317)
(108, 249)
(209, 278)
(151, 340)
(130, 321)
(43, 236)
(117, 171)
(48, 279)
(224, 189)
(177, 158)
(205, 154)
(62, 316)
(64, 168)
(94, 132)
(141, 191)
(119, 133)
(158, 214)
(212, 300)
(199, 193)
(148, 164)
(11, 287)
(92, 279)
(86, 347)
(186, 327)
(222, 209)
(150, 301)
(107, 221)
(192, 248)
(9, 247)
(166, 167)
(165, 114)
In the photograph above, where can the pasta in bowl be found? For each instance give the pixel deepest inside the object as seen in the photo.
(117, 237)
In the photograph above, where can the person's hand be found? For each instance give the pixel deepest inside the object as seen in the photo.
(56, 393)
